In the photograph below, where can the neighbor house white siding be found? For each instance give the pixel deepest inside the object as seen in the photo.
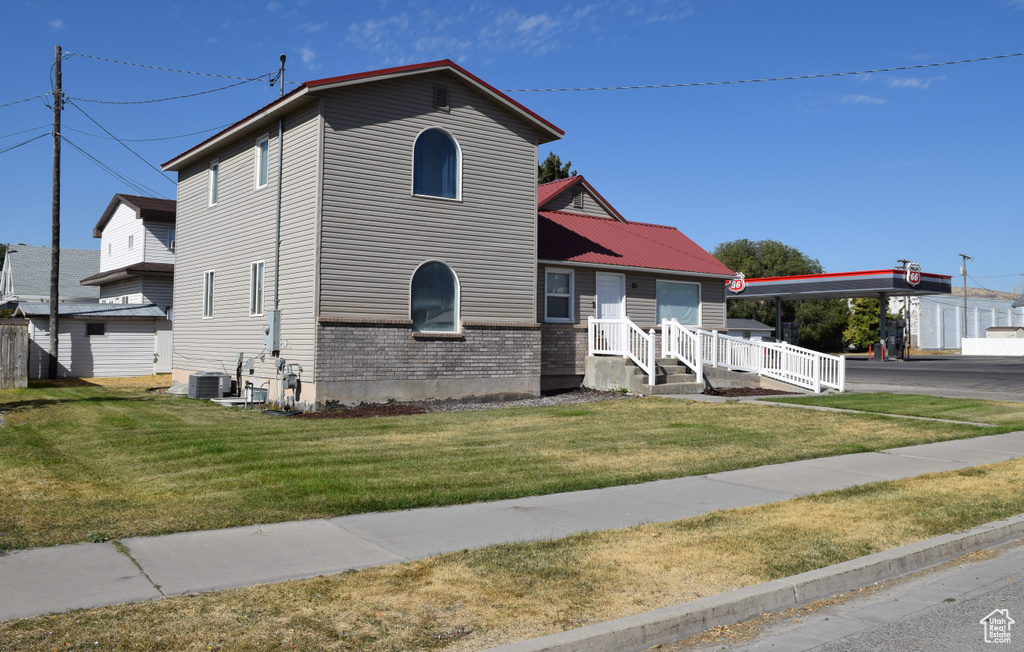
(129, 287)
(157, 239)
(114, 251)
(125, 349)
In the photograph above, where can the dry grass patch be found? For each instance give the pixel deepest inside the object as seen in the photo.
(476, 599)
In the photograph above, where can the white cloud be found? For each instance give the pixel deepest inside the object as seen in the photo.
(56, 24)
(913, 82)
(273, 6)
(313, 28)
(660, 11)
(860, 99)
(1017, 4)
(308, 55)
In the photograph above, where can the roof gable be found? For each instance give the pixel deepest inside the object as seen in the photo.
(573, 237)
(555, 196)
(28, 269)
(146, 208)
(546, 130)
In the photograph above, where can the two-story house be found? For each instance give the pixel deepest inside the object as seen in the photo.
(381, 231)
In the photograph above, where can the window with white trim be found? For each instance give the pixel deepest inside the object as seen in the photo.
(170, 238)
(679, 300)
(558, 293)
(262, 161)
(437, 165)
(208, 294)
(434, 299)
(131, 241)
(256, 288)
(214, 182)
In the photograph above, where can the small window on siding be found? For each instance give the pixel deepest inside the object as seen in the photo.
(110, 248)
(95, 328)
(680, 301)
(256, 289)
(208, 295)
(436, 165)
(434, 300)
(214, 182)
(441, 97)
(170, 239)
(262, 161)
(558, 290)
(131, 241)
(577, 199)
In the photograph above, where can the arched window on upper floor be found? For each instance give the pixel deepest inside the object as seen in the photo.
(437, 165)
(434, 298)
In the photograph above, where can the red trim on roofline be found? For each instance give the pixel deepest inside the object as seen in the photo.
(877, 272)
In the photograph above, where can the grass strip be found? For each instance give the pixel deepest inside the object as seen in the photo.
(916, 405)
(87, 463)
(480, 598)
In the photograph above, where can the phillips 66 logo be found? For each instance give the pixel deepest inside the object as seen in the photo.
(914, 274)
(738, 284)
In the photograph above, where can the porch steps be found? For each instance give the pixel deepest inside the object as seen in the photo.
(673, 377)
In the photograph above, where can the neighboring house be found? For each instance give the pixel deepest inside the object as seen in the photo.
(96, 339)
(399, 241)
(137, 243)
(750, 329)
(26, 275)
(593, 262)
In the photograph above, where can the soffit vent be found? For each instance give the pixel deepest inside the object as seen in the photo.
(441, 97)
(577, 199)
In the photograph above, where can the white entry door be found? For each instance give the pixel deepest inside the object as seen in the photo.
(611, 295)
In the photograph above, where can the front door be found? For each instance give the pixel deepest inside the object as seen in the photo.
(611, 295)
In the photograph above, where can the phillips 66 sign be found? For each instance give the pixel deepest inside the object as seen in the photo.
(738, 284)
(914, 274)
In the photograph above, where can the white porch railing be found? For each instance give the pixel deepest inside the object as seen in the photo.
(781, 361)
(622, 337)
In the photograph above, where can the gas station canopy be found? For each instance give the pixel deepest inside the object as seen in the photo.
(844, 285)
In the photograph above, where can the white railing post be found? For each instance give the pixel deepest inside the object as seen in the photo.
(650, 359)
(664, 337)
(623, 336)
(816, 361)
(714, 348)
(590, 335)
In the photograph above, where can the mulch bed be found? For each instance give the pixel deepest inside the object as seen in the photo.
(737, 392)
(368, 411)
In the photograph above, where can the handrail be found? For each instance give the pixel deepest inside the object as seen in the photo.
(695, 347)
(622, 337)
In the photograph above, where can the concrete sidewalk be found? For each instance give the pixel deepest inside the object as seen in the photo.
(90, 575)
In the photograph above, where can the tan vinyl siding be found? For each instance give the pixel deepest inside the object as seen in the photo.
(239, 230)
(563, 202)
(375, 233)
(641, 301)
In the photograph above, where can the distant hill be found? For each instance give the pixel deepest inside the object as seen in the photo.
(981, 293)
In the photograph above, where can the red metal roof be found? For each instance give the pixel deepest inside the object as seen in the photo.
(548, 191)
(600, 240)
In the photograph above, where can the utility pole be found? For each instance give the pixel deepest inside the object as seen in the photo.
(906, 315)
(963, 270)
(58, 100)
(280, 75)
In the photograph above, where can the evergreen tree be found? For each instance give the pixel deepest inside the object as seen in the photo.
(553, 170)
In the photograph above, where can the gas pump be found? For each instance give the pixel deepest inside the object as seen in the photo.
(791, 332)
(895, 341)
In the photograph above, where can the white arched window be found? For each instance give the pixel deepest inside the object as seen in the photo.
(434, 299)
(436, 165)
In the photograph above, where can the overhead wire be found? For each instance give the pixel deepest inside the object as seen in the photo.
(263, 77)
(27, 99)
(138, 186)
(24, 142)
(765, 79)
(147, 140)
(164, 99)
(106, 131)
(25, 131)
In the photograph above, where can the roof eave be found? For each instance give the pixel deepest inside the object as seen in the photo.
(632, 268)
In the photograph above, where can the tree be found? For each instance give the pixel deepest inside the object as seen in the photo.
(553, 170)
(821, 320)
(862, 329)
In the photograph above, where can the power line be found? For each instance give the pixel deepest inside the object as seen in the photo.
(165, 99)
(137, 186)
(24, 142)
(25, 131)
(144, 140)
(27, 99)
(263, 77)
(767, 79)
(137, 155)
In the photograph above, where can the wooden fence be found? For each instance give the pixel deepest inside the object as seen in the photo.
(13, 353)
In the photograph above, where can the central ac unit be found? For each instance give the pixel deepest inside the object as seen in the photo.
(209, 384)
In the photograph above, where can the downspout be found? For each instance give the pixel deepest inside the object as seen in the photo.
(277, 234)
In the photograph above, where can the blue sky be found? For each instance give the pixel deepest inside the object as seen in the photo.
(856, 171)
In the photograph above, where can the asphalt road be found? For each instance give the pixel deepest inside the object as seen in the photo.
(937, 611)
(998, 378)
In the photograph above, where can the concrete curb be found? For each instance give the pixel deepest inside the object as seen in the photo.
(640, 632)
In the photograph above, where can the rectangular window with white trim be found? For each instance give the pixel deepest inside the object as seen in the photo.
(214, 182)
(208, 295)
(558, 292)
(262, 161)
(256, 289)
(679, 300)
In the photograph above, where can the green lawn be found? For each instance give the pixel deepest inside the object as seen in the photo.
(955, 409)
(87, 462)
